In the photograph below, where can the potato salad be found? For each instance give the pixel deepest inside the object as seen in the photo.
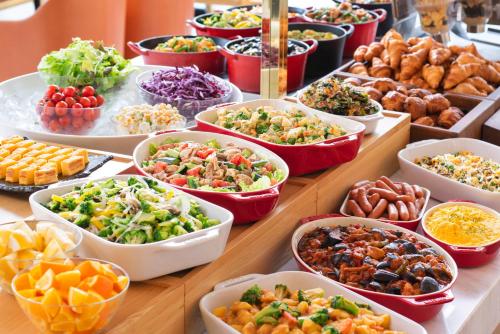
(284, 127)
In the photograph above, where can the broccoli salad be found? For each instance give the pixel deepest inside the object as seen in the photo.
(210, 166)
(135, 211)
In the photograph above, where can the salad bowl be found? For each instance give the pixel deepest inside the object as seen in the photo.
(248, 206)
(149, 260)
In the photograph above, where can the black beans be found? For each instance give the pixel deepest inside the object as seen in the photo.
(429, 285)
(385, 276)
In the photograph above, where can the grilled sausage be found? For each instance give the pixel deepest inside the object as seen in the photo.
(373, 199)
(360, 184)
(419, 203)
(391, 196)
(363, 201)
(419, 192)
(412, 210)
(382, 185)
(402, 211)
(353, 194)
(408, 190)
(390, 184)
(392, 212)
(379, 209)
(354, 209)
(404, 198)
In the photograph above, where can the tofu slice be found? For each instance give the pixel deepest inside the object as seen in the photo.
(45, 175)
(4, 153)
(40, 162)
(33, 153)
(27, 160)
(15, 156)
(50, 149)
(9, 147)
(25, 143)
(46, 156)
(12, 172)
(72, 165)
(57, 161)
(38, 146)
(65, 151)
(3, 167)
(83, 153)
(21, 150)
(27, 175)
(12, 140)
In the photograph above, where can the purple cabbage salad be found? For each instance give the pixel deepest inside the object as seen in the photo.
(185, 83)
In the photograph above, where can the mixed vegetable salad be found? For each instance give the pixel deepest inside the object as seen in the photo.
(210, 166)
(301, 312)
(332, 95)
(310, 34)
(339, 14)
(83, 63)
(236, 18)
(285, 127)
(182, 44)
(135, 211)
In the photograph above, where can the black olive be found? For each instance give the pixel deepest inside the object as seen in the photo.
(338, 247)
(418, 269)
(385, 276)
(394, 290)
(383, 265)
(429, 285)
(332, 238)
(376, 286)
(410, 277)
(410, 248)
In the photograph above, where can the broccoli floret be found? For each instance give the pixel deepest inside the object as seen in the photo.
(146, 207)
(361, 305)
(86, 208)
(82, 221)
(252, 295)
(188, 226)
(281, 291)
(210, 222)
(320, 317)
(105, 232)
(53, 206)
(109, 183)
(153, 184)
(70, 203)
(330, 330)
(179, 230)
(286, 308)
(344, 304)
(161, 233)
(135, 237)
(269, 314)
(162, 215)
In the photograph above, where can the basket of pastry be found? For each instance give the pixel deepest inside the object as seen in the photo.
(28, 166)
(433, 115)
(428, 64)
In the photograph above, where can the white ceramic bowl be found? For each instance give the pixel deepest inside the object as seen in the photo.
(150, 260)
(441, 187)
(227, 292)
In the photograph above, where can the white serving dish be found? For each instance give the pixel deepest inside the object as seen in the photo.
(370, 121)
(443, 188)
(146, 261)
(19, 95)
(227, 292)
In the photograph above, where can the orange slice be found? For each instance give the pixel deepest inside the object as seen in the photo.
(102, 285)
(63, 321)
(121, 283)
(27, 293)
(67, 279)
(88, 268)
(46, 281)
(107, 271)
(76, 299)
(36, 271)
(23, 282)
(85, 324)
(95, 304)
(56, 266)
(51, 302)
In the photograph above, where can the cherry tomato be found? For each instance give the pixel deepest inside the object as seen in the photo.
(160, 166)
(88, 114)
(77, 110)
(51, 90)
(204, 154)
(194, 171)
(61, 108)
(219, 183)
(179, 182)
(93, 101)
(70, 101)
(85, 102)
(100, 100)
(69, 91)
(65, 121)
(56, 97)
(54, 125)
(88, 91)
(46, 119)
(269, 166)
(77, 122)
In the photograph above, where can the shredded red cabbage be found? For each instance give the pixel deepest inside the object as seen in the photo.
(184, 83)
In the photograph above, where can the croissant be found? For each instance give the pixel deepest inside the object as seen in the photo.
(426, 120)
(471, 48)
(447, 118)
(412, 63)
(395, 49)
(458, 73)
(467, 88)
(358, 68)
(480, 84)
(384, 85)
(374, 50)
(433, 75)
(424, 44)
(488, 73)
(417, 81)
(469, 58)
(393, 101)
(391, 34)
(439, 56)
(379, 69)
(416, 107)
(353, 81)
(496, 65)
(373, 93)
(385, 57)
(413, 41)
(359, 54)
(436, 103)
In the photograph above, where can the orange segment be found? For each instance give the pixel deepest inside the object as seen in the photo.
(27, 293)
(85, 324)
(102, 285)
(57, 267)
(46, 281)
(23, 282)
(76, 299)
(121, 283)
(36, 271)
(67, 279)
(88, 268)
(107, 271)
(51, 302)
(95, 304)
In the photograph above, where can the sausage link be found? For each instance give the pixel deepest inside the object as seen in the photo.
(419, 192)
(392, 212)
(363, 201)
(360, 184)
(412, 210)
(420, 203)
(382, 185)
(391, 196)
(404, 198)
(402, 211)
(379, 209)
(373, 199)
(354, 209)
(408, 190)
(353, 194)
(390, 184)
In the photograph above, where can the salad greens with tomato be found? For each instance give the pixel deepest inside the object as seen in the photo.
(133, 211)
(210, 166)
(85, 63)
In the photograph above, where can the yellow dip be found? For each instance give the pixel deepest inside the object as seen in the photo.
(462, 225)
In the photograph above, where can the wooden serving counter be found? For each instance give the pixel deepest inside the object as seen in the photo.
(169, 304)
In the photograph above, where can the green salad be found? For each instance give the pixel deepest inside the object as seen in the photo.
(83, 63)
(210, 166)
(135, 211)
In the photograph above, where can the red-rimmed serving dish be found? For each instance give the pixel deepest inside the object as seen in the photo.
(246, 207)
(294, 13)
(408, 224)
(301, 159)
(418, 307)
(210, 61)
(364, 33)
(465, 256)
(204, 30)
